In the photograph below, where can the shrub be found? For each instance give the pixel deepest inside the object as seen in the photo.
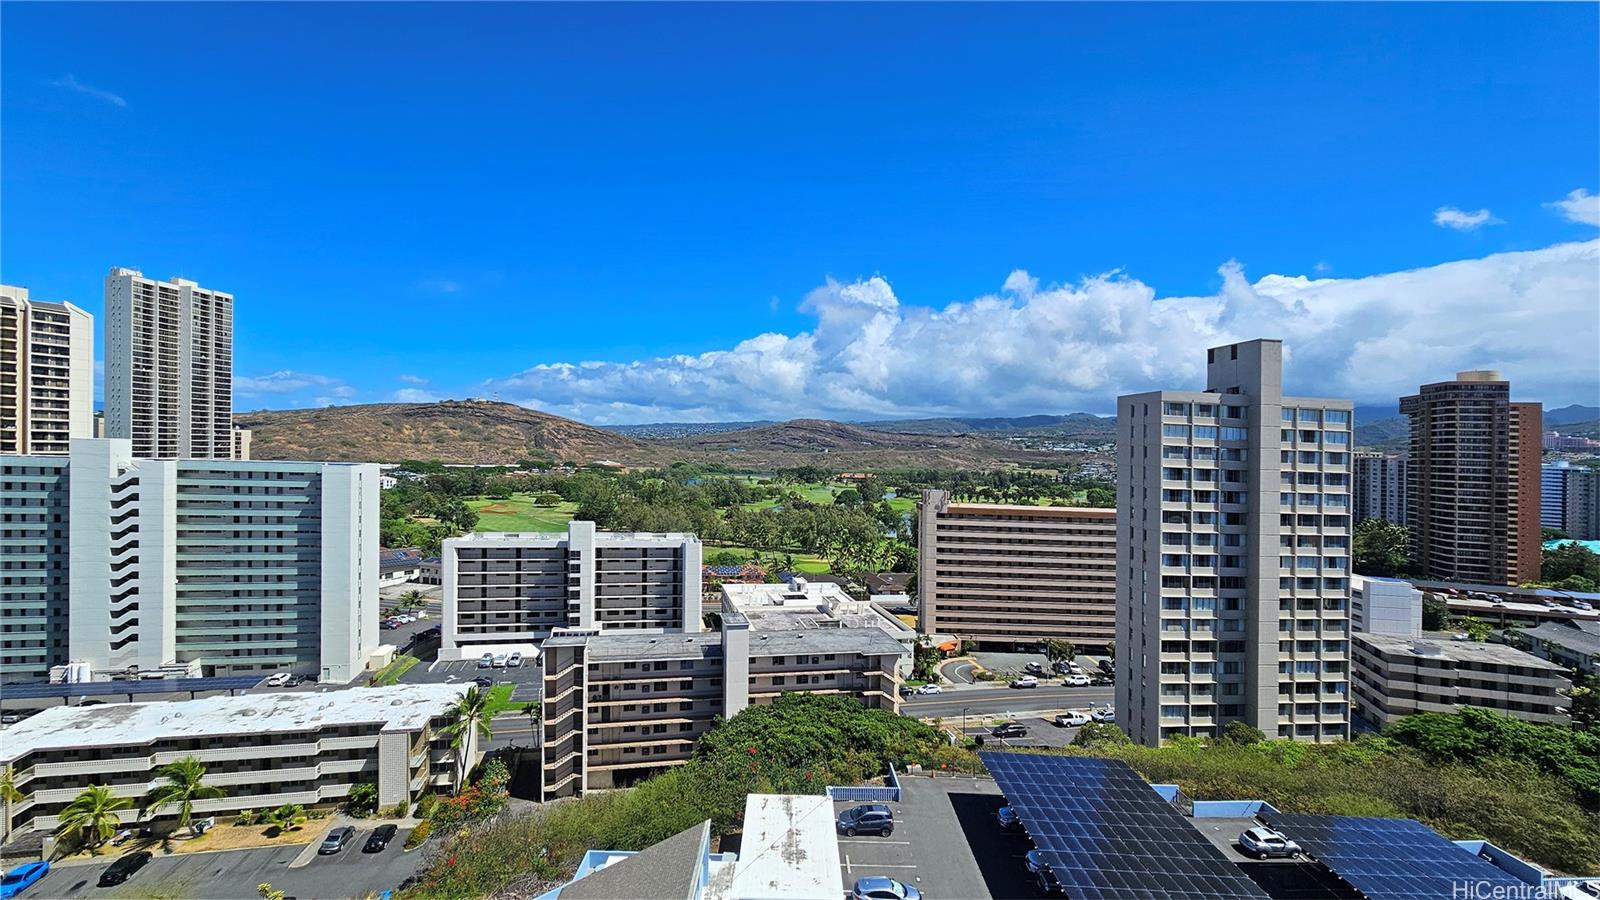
(418, 835)
(248, 817)
(363, 799)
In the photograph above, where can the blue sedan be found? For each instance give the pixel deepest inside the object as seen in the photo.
(21, 878)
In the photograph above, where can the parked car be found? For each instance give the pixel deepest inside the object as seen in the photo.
(380, 838)
(1104, 714)
(1074, 718)
(336, 840)
(1009, 730)
(1584, 605)
(1034, 668)
(878, 887)
(1075, 680)
(1108, 667)
(121, 837)
(124, 867)
(1026, 681)
(514, 660)
(1033, 861)
(486, 661)
(1007, 818)
(498, 660)
(483, 681)
(870, 818)
(21, 878)
(1049, 884)
(929, 689)
(1264, 842)
(278, 679)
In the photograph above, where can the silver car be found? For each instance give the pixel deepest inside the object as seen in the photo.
(1264, 842)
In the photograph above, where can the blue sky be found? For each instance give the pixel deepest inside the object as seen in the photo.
(762, 211)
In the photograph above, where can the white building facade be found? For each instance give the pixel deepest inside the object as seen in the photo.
(1385, 606)
(1569, 499)
(1234, 555)
(169, 367)
(1380, 487)
(46, 375)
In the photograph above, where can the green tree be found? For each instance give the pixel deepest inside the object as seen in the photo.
(1059, 651)
(1111, 649)
(1476, 628)
(1100, 736)
(469, 717)
(1101, 497)
(92, 816)
(1585, 705)
(288, 817)
(1552, 534)
(1435, 613)
(183, 785)
(363, 799)
(8, 795)
(268, 892)
(925, 660)
(1241, 733)
(1381, 549)
(1566, 560)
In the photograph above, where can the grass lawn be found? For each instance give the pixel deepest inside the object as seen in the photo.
(804, 562)
(519, 514)
(815, 492)
(391, 673)
(500, 700)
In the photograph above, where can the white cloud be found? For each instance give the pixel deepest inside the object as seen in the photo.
(1460, 220)
(1579, 206)
(439, 286)
(415, 395)
(287, 381)
(413, 379)
(73, 84)
(1061, 348)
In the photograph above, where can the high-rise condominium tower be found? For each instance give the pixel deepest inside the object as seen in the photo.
(1233, 560)
(169, 367)
(1473, 485)
(46, 374)
(1380, 487)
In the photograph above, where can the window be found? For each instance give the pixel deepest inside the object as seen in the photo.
(1175, 409)
(1235, 434)
(1336, 437)
(1175, 431)
(1288, 415)
(1336, 417)
(1205, 432)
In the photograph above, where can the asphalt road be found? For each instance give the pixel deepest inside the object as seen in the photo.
(1006, 701)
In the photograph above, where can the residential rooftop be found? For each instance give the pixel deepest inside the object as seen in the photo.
(600, 537)
(617, 645)
(1441, 645)
(807, 605)
(406, 707)
(789, 849)
(1579, 637)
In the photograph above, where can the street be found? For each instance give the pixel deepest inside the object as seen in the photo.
(1001, 700)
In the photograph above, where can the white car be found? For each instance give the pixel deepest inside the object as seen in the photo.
(514, 661)
(486, 661)
(1264, 842)
(279, 679)
(498, 660)
(1105, 714)
(1026, 681)
(1075, 680)
(1074, 718)
(928, 689)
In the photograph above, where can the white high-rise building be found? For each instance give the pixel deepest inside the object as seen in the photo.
(1234, 555)
(1569, 499)
(169, 367)
(46, 374)
(1380, 480)
(228, 567)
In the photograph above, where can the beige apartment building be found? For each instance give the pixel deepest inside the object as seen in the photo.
(169, 367)
(507, 591)
(622, 706)
(1233, 510)
(1011, 575)
(1398, 675)
(46, 374)
(1473, 484)
(263, 750)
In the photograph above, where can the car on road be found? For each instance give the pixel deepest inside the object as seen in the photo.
(483, 681)
(1026, 681)
(870, 818)
(1007, 818)
(1009, 730)
(514, 660)
(124, 867)
(486, 661)
(21, 878)
(1075, 680)
(929, 689)
(1264, 843)
(336, 840)
(1074, 718)
(380, 838)
(279, 679)
(879, 887)
(498, 660)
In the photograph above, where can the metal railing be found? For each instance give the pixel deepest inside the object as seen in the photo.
(889, 793)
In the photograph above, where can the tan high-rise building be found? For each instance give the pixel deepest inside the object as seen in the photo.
(1233, 558)
(46, 374)
(169, 367)
(1473, 483)
(1016, 575)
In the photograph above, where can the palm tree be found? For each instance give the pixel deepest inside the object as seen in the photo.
(92, 815)
(532, 710)
(8, 795)
(468, 719)
(183, 787)
(411, 599)
(287, 817)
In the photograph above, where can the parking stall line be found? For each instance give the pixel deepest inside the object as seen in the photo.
(879, 842)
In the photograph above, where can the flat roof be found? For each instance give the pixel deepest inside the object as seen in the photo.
(789, 850)
(1503, 589)
(139, 686)
(618, 645)
(781, 607)
(600, 537)
(1442, 645)
(1043, 512)
(404, 707)
(865, 641)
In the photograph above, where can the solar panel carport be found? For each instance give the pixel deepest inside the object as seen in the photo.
(1395, 859)
(1106, 835)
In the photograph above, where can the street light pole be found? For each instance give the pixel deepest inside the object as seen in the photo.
(964, 732)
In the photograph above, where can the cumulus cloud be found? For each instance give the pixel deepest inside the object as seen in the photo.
(287, 381)
(1461, 220)
(1579, 206)
(413, 379)
(1064, 347)
(73, 84)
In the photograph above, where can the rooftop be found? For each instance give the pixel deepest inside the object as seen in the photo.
(1580, 637)
(600, 537)
(805, 605)
(617, 645)
(865, 641)
(788, 850)
(401, 707)
(1440, 645)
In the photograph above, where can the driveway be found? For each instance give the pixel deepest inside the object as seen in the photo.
(958, 671)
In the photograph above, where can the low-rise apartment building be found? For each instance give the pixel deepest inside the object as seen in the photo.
(1013, 575)
(1396, 675)
(1571, 644)
(620, 706)
(506, 591)
(262, 750)
(802, 603)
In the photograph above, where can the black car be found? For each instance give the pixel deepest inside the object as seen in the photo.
(124, 867)
(1009, 730)
(381, 836)
(1049, 884)
(483, 681)
(869, 819)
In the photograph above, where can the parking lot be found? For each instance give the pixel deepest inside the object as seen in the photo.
(1042, 732)
(1012, 665)
(230, 874)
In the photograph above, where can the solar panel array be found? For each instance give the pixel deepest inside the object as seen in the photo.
(1106, 834)
(145, 686)
(1391, 859)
